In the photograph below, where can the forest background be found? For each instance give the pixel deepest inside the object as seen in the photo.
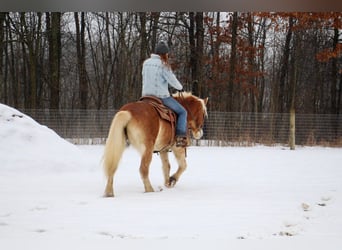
(71, 71)
(243, 61)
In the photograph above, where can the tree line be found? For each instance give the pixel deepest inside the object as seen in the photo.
(243, 61)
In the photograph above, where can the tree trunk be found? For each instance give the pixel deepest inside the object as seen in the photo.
(53, 27)
(334, 92)
(2, 21)
(232, 63)
(251, 62)
(143, 50)
(199, 54)
(192, 44)
(80, 46)
(334, 74)
(262, 68)
(12, 66)
(155, 20)
(196, 40)
(284, 68)
(27, 40)
(111, 64)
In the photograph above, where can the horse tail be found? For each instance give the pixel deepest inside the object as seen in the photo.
(116, 142)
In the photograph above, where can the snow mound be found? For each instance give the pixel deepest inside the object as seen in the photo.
(27, 145)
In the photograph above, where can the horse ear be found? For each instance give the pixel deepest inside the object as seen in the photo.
(206, 100)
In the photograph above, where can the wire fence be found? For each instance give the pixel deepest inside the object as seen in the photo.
(220, 129)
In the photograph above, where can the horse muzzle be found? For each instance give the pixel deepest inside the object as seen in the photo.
(197, 134)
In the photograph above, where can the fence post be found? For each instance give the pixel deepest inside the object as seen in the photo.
(292, 135)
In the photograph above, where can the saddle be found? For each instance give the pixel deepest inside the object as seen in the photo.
(164, 113)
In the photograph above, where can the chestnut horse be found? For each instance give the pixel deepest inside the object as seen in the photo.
(139, 124)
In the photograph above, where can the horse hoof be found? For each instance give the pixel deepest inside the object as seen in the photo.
(109, 195)
(172, 182)
(149, 190)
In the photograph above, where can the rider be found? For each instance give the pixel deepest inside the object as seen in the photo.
(157, 75)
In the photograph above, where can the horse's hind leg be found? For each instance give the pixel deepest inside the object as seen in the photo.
(110, 172)
(144, 170)
(164, 156)
(109, 191)
(180, 157)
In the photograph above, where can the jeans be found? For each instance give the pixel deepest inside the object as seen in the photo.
(174, 105)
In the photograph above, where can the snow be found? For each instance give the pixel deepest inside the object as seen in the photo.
(254, 197)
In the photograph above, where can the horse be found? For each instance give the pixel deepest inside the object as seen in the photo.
(139, 124)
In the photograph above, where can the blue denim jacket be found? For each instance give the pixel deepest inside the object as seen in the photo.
(156, 78)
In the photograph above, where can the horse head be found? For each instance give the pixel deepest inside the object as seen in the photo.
(197, 111)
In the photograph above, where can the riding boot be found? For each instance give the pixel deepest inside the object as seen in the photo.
(181, 141)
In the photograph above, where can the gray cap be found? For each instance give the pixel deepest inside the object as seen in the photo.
(162, 48)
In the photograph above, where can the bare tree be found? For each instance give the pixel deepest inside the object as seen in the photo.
(232, 63)
(196, 42)
(2, 48)
(81, 59)
(53, 27)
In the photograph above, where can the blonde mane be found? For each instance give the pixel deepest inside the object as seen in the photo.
(187, 95)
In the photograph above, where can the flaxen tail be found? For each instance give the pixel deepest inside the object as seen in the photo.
(116, 142)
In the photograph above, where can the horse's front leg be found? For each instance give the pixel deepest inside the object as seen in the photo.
(180, 157)
(164, 156)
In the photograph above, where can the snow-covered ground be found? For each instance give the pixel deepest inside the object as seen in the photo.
(255, 198)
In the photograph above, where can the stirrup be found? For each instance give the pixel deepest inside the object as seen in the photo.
(181, 141)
